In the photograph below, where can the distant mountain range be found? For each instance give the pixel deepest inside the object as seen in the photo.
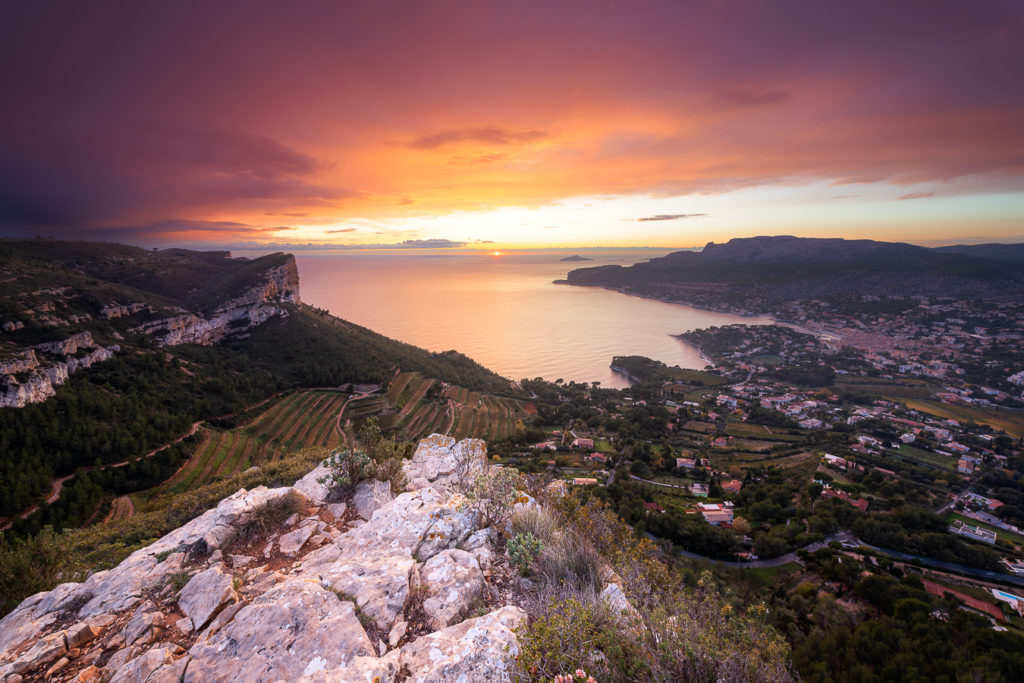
(757, 274)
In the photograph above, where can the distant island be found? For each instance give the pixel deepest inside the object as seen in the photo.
(575, 257)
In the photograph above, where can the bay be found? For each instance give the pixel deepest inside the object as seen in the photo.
(505, 312)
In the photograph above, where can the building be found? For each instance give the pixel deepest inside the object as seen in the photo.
(686, 463)
(583, 443)
(859, 503)
(716, 515)
(975, 533)
(964, 466)
(699, 490)
(733, 485)
(584, 481)
(1015, 567)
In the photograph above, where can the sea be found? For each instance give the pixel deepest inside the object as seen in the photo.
(505, 311)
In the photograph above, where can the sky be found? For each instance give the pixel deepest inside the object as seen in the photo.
(501, 125)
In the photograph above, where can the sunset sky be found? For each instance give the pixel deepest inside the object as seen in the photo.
(511, 124)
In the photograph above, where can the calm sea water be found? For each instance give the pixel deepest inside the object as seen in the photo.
(504, 311)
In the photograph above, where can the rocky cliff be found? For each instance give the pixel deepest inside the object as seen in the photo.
(263, 301)
(378, 588)
(27, 378)
(29, 375)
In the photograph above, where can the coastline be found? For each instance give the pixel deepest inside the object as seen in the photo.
(699, 350)
(742, 314)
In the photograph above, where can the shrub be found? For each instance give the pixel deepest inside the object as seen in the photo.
(567, 635)
(494, 494)
(377, 458)
(266, 517)
(30, 565)
(523, 549)
(536, 521)
(571, 564)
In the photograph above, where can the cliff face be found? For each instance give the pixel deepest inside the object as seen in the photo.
(263, 301)
(29, 375)
(28, 379)
(382, 588)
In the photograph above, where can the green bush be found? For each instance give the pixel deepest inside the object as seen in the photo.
(523, 549)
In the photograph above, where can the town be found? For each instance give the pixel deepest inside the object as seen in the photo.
(886, 437)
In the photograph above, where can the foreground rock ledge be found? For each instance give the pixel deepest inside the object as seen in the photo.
(191, 607)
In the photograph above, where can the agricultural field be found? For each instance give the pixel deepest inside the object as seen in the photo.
(303, 419)
(418, 406)
(747, 430)
(794, 464)
(1004, 419)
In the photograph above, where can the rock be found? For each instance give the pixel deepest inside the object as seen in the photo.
(205, 595)
(296, 628)
(184, 625)
(444, 464)
(337, 510)
(370, 495)
(293, 541)
(225, 616)
(216, 556)
(239, 561)
(140, 669)
(88, 674)
(360, 670)
(378, 581)
(292, 519)
(373, 562)
(478, 650)
(121, 588)
(311, 488)
(119, 659)
(453, 580)
(140, 624)
(58, 665)
(397, 633)
(617, 602)
(82, 633)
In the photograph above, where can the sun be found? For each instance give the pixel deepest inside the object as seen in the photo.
(495, 253)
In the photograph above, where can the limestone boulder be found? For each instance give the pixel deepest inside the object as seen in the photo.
(378, 581)
(39, 657)
(453, 580)
(371, 495)
(360, 670)
(617, 603)
(480, 650)
(142, 668)
(374, 562)
(206, 594)
(444, 464)
(293, 541)
(296, 628)
(311, 486)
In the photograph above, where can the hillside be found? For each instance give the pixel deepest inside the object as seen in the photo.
(108, 352)
(758, 274)
(417, 577)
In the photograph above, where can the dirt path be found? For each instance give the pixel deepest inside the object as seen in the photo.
(121, 508)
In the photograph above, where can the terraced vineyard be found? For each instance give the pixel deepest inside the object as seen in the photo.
(305, 418)
(415, 406)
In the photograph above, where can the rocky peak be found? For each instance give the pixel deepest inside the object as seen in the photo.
(379, 588)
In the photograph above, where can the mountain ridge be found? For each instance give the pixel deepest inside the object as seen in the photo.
(757, 274)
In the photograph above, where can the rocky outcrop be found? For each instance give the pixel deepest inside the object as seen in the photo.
(325, 597)
(44, 375)
(442, 463)
(277, 286)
